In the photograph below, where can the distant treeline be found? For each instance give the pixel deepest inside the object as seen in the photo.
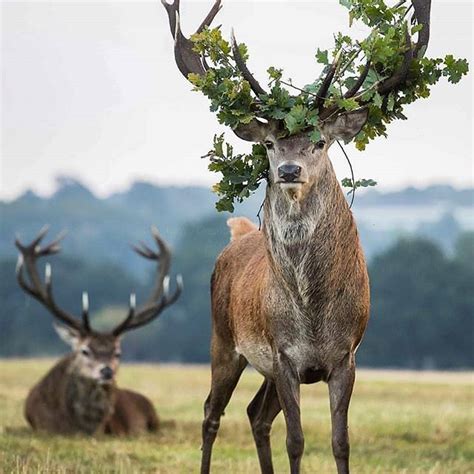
(102, 228)
(421, 317)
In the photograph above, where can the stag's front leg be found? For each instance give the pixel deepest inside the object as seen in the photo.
(340, 384)
(227, 367)
(288, 389)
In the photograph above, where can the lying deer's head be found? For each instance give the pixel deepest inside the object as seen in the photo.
(96, 355)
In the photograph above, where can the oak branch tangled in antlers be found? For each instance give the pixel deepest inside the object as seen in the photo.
(382, 72)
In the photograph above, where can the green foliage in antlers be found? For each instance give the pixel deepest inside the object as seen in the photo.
(383, 72)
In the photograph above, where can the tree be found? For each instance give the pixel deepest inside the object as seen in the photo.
(422, 308)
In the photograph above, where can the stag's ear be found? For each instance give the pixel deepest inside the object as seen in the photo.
(68, 335)
(254, 131)
(345, 126)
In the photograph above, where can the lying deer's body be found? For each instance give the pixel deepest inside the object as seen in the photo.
(79, 394)
(66, 402)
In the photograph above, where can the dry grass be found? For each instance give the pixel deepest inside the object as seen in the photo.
(401, 422)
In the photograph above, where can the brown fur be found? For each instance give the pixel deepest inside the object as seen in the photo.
(240, 226)
(66, 402)
(79, 394)
(292, 300)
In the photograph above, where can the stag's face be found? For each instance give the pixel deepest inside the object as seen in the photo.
(96, 356)
(295, 163)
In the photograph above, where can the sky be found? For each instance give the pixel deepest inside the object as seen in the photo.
(91, 90)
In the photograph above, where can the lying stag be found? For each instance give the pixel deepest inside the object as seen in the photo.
(291, 299)
(79, 394)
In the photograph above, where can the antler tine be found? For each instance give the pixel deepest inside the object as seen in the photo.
(150, 312)
(43, 231)
(422, 14)
(130, 316)
(178, 290)
(323, 89)
(360, 81)
(85, 311)
(164, 260)
(210, 16)
(42, 292)
(187, 60)
(39, 237)
(54, 246)
(247, 75)
(145, 251)
(400, 76)
(21, 279)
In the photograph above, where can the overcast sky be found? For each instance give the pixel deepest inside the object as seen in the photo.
(90, 89)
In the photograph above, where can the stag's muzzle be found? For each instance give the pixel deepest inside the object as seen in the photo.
(289, 173)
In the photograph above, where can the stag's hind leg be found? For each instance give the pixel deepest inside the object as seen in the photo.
(340, 384)
(262, 411)
(227, 366)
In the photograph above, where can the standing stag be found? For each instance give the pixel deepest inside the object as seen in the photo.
(292, 299)
(79, 393)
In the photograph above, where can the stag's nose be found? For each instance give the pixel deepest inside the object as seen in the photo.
(289, 173)
(106, 373)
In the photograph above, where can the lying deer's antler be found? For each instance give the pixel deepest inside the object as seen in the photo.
(160, 297)
(43, 292)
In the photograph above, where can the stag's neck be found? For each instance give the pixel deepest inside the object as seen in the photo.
(306, 239)
(88, 402)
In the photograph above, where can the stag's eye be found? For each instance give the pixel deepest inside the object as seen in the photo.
(118, 355)
(320, 144)
(268, 144)
(85, 352)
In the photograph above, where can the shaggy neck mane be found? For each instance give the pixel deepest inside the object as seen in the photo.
(312, 240)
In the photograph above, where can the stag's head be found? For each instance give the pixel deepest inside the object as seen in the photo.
(95, 355)
(296, 164)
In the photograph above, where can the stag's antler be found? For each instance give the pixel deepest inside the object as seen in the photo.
(421, 15)
(42, 292)
(160, 297)
(246, 74)
(188, 60)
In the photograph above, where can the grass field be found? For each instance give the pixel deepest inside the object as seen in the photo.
(400, 422)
